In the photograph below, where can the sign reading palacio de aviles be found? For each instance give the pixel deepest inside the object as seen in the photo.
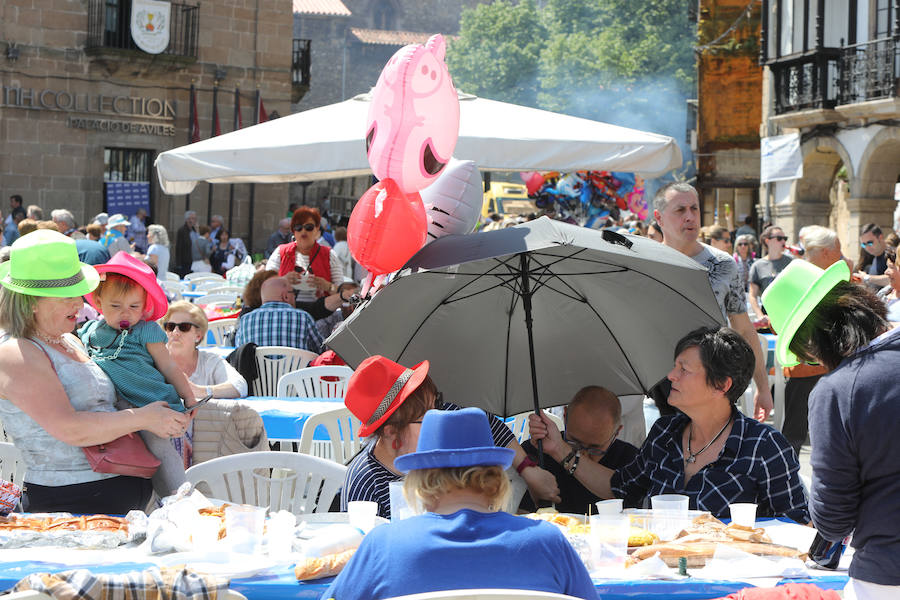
(99, 106)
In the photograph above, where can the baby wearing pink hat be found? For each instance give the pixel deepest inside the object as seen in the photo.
(130, 347)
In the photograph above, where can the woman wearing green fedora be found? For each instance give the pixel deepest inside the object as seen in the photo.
(853, 414)
(53, 399)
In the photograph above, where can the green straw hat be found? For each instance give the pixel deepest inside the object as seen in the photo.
(793, 295)
(45, 263)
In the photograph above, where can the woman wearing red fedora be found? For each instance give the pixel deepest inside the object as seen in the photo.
(391, 400)
(462, 541)
(54, 397)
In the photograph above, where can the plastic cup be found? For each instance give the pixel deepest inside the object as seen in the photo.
(743, 513)
(244, 527)
(609, 539)
(361, 514)
(400, 508)
(280, 533)
(609, 507)
(670, 512)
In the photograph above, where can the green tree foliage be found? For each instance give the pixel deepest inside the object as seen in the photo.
(498, 52)
(628, 62)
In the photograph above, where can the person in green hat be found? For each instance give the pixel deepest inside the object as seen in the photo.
(820, 316)
(53, 399)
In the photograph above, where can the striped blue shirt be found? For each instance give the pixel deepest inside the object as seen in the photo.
(368, 479)
(757, 464)
(279, 324)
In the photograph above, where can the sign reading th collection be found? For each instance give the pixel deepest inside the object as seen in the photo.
(162, 111)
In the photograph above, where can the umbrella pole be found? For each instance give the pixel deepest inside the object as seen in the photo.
(526, 304)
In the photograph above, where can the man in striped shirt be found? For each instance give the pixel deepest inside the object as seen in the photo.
(277, 322)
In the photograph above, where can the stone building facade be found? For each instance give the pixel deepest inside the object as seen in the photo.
(729, 111)
(82, 107)
(831, 75)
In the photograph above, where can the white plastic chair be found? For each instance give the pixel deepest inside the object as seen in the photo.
(228, 299)
(299, 483)
(225, 289)
(274, 361)
(485, 594)
(170, 276)
(219, 329)
(173, 287)
(202, 275)
(519, 424)
(342, 429)
(12, 464)
(208, 285)
(310, 382)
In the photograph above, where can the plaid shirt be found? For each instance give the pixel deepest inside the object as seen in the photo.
(757, 464)
(279, 324)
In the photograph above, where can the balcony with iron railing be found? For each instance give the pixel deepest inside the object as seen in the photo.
(301, 61)
(109, 31)
(837, 78)
(869, 71)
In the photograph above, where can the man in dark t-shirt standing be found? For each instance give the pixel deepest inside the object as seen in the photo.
(593, 420)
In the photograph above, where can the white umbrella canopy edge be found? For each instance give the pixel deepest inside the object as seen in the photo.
(328, 142)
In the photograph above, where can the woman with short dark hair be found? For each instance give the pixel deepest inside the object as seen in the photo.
(707, 450)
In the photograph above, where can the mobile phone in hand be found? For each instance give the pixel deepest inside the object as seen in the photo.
(200, 403)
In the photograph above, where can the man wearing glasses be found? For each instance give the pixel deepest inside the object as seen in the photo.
(872, 261)
(592, 422)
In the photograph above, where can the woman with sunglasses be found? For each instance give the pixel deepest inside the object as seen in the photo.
(766, 269)
(744, 256)
(208, 373)
(312, 268)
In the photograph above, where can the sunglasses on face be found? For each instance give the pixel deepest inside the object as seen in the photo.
(868, 244)
(590, 450)
(742, 244)
(780, 238)
(306, 226)
(182, 327)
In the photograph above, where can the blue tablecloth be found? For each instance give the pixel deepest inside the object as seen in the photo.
(283, 418)
(283, 585)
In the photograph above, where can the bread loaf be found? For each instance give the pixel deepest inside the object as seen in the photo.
(325, 566)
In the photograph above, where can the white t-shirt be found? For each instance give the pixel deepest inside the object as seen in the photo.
(725, 279)
(162, 260)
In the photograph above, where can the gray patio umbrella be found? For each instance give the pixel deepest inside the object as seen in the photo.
(523, 317)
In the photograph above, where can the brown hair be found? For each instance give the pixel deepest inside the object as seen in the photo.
(26, 226)
(251, 295)
(95, 230)
(306, 213)
(117, 285)
(420, 401)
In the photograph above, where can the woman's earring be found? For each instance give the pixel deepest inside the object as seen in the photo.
(396, 444)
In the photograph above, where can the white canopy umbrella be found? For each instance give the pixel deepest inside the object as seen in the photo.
(328, 142)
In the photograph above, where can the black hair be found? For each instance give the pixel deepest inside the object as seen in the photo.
(870, 228)
(17, 198)
(846, 319)
(724, 354)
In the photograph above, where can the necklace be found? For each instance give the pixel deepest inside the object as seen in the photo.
(55, 340)
(692, 456)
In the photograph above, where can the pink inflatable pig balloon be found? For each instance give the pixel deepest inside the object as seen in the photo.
(413, 121)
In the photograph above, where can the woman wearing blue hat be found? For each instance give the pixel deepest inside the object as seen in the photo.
(462, 541)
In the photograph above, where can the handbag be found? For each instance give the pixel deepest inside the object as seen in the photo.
(127, 455)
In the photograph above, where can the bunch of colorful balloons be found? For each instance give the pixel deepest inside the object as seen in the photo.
(412, 129)
(585, 197)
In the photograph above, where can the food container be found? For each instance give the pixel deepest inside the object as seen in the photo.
(665, 525)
